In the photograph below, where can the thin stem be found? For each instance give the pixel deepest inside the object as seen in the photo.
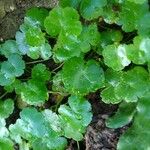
(37, 61)
(58, 67)
(78, 145)
(3, 95)
(52, 92)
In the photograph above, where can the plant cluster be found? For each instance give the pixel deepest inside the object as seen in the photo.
(116, 36)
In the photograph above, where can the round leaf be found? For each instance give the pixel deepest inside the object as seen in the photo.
(81, 77)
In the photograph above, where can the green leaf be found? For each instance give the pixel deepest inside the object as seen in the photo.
(4, 133)
(40, 73)
(111, 12)
(67, 47)
(34, 52)
(45, 51)
(39, 132)
(34, 92)
(115, 57)
(137, 137)
(108, 96)
(8, 48)
(63, 19)
(37, 15)
(82, 108)
(130, 15)
(26, 119)
(4, 81)
(110, 36)
(92, 9)
(75, 117)
(6, 108)
(53, 120)
(29, 23)
(80, 77)
(10, 88)
(128, 86)
(53, 143)
(90, 36)
(14, 67)
(21, 42)
(6, 144)
(69, 3)
(35, 37)
(123, 116)
(134, 84)
(139, 52)
(138, 1)
(113, 78)
(144, 25)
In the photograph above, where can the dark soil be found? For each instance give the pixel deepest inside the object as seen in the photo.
(12, 14)
(98, 136)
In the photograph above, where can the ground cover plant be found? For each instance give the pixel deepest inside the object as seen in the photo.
(96, 46)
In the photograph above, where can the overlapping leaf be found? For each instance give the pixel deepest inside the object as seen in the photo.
(92, 9)
(35, 37)
(37, 130)
(6, 144)
(45, 129)
(67, 47)
(137, 137)
(110, 37)
(138, 1)
(8, 48)
(6, 108)
(31, 40)
(130, 15)
(134, 85)
(38, 15)
(89, 37)
(144, 25)
(5, 80)
(111, 12)
(14, 67)
(139, 52)
(34, 92)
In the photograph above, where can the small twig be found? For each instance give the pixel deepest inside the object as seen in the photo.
(3, 95)
(37, 61)
(57, 105)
